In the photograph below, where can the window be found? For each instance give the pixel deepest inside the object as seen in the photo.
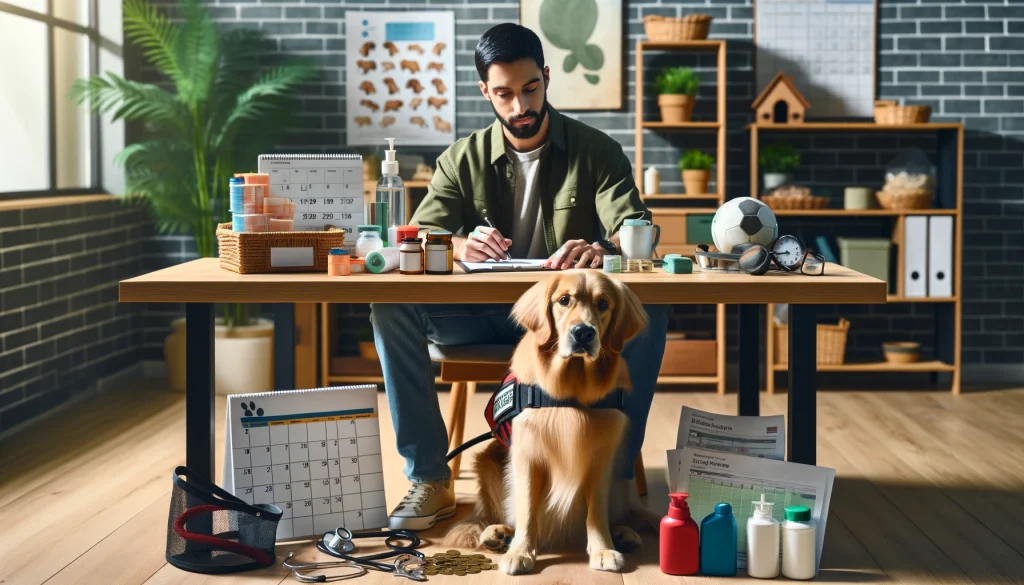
(50, 144)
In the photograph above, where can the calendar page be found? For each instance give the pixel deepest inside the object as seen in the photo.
(313, 453)
(327, 190)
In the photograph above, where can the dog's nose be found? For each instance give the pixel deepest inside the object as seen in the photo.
(582, 334)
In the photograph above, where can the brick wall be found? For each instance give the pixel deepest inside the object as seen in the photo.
(61, 326)
(965, 60)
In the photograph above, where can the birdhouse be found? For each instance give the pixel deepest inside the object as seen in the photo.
(780, 103)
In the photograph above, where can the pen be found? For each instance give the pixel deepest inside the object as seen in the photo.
(509, 255)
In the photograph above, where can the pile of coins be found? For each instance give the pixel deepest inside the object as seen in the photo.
(452, 562)
(636, 265)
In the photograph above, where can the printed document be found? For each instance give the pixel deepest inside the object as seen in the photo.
(504, 265)
(756, 436)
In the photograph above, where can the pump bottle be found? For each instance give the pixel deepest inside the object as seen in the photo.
(763, 542)
(680, 543)
(391, 190)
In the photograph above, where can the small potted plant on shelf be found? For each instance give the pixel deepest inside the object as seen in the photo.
(676, 87)
(367, 349)
(696, 167)
(778, 161)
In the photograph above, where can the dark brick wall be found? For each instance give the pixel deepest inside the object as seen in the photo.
(61, 326)
(966, 60)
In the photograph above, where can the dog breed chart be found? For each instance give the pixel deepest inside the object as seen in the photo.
(313, 453)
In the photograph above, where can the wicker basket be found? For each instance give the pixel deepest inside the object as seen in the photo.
(786, 202)
(251, 253)
(692, 27)
(904, 199)
(831, 343)
(888, 112)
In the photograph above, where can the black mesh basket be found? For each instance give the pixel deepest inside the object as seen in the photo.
(212, 531)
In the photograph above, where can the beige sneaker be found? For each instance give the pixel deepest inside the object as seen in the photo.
(425, 504)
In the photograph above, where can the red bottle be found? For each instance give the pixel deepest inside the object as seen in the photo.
(680, 541)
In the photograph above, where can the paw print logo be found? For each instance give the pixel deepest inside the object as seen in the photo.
(250, 408)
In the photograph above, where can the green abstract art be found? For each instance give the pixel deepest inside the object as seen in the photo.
(583, 46)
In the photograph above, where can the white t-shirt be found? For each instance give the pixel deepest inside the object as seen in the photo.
(527, 229)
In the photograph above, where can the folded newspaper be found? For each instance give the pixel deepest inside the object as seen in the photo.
(735, 459)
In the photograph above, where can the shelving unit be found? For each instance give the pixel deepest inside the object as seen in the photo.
(949, 201)
(674, 220)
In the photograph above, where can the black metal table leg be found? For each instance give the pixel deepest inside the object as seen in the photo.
(284, 346)
(199, 360)
(750, 366)
(803, 366)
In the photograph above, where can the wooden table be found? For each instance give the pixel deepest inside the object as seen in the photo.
(202, 283)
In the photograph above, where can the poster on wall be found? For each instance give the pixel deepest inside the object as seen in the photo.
(400, 77)
(582, 42)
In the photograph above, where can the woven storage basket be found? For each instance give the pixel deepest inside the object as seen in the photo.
(692, 27)
(831, 343)
(784, 202)
(888, 112)
(251, 253)
(904, 199)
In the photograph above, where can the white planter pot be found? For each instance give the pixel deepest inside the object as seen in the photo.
(244, 357)
(773, 180)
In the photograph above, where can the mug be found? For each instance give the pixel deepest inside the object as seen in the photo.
(638, 239)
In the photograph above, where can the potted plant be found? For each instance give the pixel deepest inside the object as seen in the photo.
(778, 161)
(676, 87)
(696, 167)
(226, 100)
(367, 348)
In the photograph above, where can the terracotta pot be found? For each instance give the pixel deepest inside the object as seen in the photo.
(244, 357)
(696, 182)
(675, 108)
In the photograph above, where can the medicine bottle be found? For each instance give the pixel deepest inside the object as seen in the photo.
(338, 262)
(439, 253)
(410, 261)
(799, 545)
(369, 240)
(762, 542)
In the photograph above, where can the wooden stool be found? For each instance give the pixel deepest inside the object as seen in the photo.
(467, 365)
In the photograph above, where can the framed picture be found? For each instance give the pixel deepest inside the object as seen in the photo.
(582, 42)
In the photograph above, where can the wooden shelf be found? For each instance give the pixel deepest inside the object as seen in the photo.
(671, 197)
(681, 125)
(682, 210)
(857, 126)
(930, 366)
(899, 299)
(705, 45)
(862, 212)
(687, 379)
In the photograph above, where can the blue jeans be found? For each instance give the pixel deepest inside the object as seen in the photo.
(402, 332)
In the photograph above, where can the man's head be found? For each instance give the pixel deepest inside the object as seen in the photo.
(510, 61)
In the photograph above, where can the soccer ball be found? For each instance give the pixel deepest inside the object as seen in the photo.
(743, 220)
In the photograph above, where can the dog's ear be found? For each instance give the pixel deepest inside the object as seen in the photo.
(533, 310)
(630, 318)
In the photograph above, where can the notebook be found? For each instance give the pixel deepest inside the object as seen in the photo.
(521, 265)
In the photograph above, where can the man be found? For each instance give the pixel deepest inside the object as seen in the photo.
(553, 188)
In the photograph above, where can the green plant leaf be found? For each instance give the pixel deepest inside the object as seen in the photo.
(149, 28)
(568, 24)
(198, 48)
(677, 81)
(778, 158)
(695, 160)
(593, 79)
(570, 63)
(592, 57)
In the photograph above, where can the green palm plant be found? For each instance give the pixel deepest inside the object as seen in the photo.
(228, 100)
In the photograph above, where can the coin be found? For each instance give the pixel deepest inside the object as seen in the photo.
(453, 552)
(430, 571)
(461, 573)
(446, 571)
(473, 570)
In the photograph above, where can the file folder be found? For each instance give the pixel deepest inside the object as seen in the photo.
(915, 256)
(940, 256)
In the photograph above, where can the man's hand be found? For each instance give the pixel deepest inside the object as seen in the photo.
(484, 243)
(576, 253)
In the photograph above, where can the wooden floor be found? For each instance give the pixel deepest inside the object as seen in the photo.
(930, 489)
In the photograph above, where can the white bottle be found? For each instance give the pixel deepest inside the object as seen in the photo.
(652, 181)
(763, 542)
(799, 545)
(391, 190)
(369, 240)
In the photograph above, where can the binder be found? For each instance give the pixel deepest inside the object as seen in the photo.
(940, 256)
(915, 256)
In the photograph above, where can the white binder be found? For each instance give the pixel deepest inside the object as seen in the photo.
(940, 256)
(915, 256)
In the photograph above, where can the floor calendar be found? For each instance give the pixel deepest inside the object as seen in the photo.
(313, 453)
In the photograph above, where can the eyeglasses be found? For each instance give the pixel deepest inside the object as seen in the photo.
(812, 264)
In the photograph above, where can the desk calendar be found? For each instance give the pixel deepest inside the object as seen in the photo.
(327, 189)
(313, 453)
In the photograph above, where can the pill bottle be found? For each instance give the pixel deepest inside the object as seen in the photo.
(369, 239)
(799, 545)
(410, 260)
(357, 265)
(439, 253)
(338, 262)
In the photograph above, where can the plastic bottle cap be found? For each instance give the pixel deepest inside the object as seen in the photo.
(798, 513)
(236, 181)
(763, 508)
(678, 500)
(338, 251)
(368, 228)
(389, 166)
(723, 509)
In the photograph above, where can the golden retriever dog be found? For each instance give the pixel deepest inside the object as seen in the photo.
(555, 484)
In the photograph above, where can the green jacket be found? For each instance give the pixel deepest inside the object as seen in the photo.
(589, 185)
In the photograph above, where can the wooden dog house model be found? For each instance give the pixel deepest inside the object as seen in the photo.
(780, 103)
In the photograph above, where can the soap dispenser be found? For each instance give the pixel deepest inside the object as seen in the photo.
(391, 191)
(680, 542)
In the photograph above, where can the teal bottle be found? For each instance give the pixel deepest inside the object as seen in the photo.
(718, 542)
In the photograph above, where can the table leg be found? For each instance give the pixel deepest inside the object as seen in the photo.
(199, 388)
(284, 346)
(750, 366)
(803, 366)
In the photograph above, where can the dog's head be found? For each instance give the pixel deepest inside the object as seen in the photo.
(580, 314)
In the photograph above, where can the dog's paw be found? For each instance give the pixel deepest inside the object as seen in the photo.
(497, 537)
(517, 561)
(607, 560)
(464, 535)
(626, 539)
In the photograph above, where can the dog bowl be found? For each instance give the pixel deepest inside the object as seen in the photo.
(901, 352)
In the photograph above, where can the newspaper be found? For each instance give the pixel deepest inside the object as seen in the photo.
(711, 477)
(755, 436)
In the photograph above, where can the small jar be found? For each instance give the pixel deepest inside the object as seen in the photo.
(357, 265)
(410, 260)
(439, 253)
(369, 239)
(338, 262)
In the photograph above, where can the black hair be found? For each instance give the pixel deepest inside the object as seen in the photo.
(507, 43)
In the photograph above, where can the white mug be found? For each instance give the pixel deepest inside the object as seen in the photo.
(638, 239)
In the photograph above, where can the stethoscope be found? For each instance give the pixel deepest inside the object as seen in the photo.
(339, 544)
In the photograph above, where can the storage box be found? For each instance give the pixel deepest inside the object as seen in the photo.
(698, 228)
(268, 252)
(689, 357)
(868, 256)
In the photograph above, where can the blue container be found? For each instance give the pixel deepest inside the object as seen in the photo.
(718, 542)
(236, 190)
(238, 222)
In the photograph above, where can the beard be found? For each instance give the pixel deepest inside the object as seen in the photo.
(531, 129)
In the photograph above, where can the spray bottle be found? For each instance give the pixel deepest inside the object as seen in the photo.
(763, 534)
(680, 543)
(391, 190)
